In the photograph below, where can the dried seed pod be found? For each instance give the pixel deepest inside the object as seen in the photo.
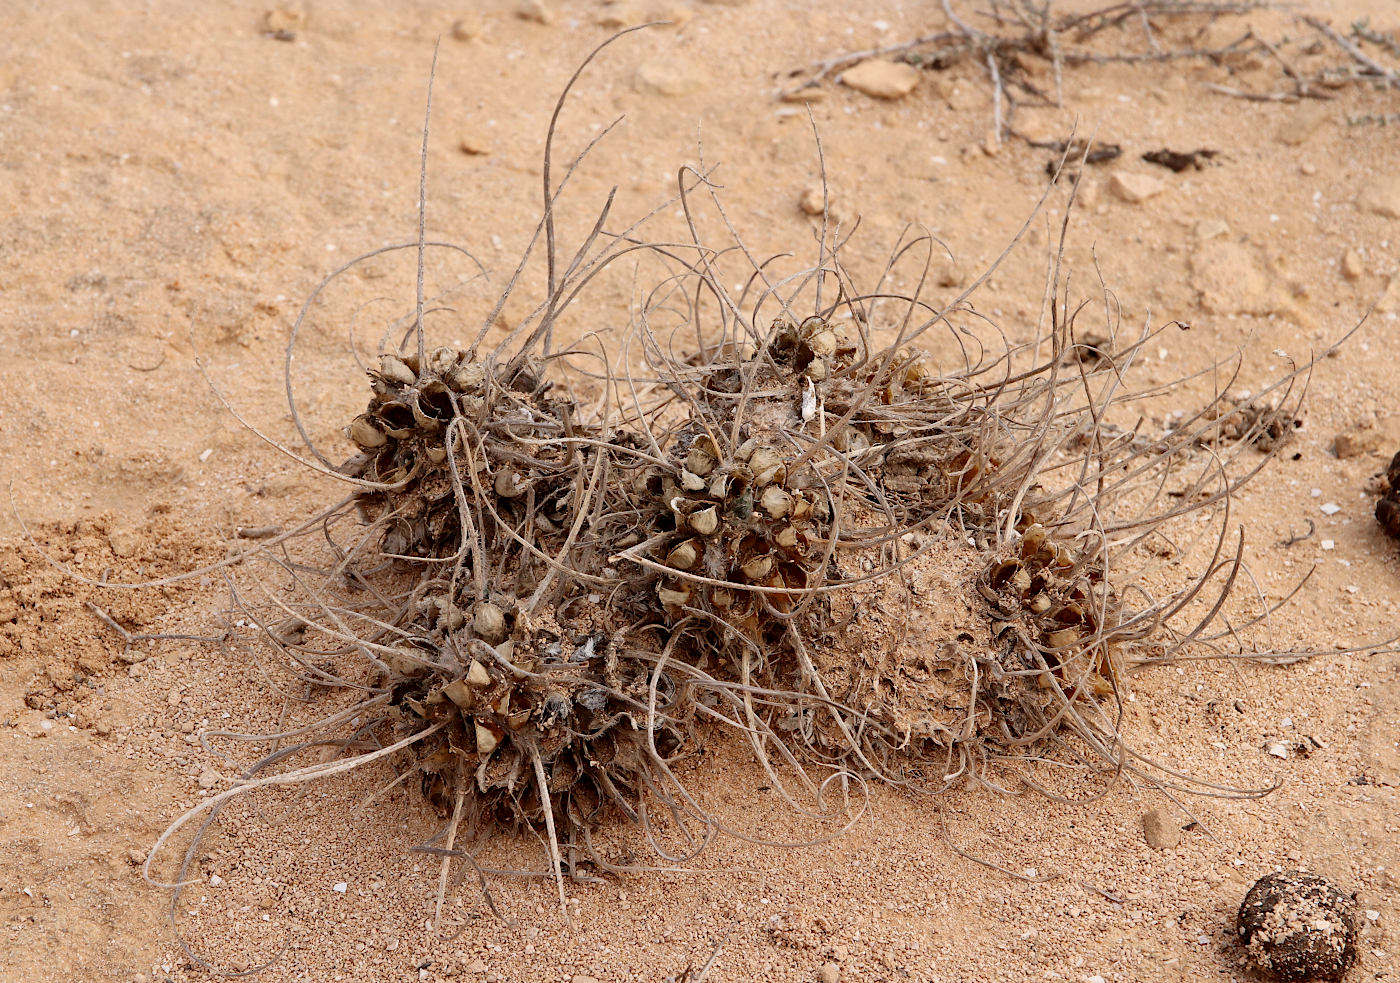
(685, 555)
(1039, 604)
(719, 488)
(365, 434)
(691, 481)
(432, 406)
(395, 419)
(766, 466)
(460, 693)
(758, 568)
(823, 343)
(477, 676)
(786, 538)
(469, 377)
(1062, 638)
(509, 485)
(815, 370)
(395, 369)
(489, 623)
(673, 599)
(1032, 539)
(488, 737)
(705, 521)
(436, 454)
(443, 360)
(700, 461)
(775, 501)
(518, 719)
(745, 450)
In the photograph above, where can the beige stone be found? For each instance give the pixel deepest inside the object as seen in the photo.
(1160, 832)
(1357, 441)
(1381, 197)
(1135, 188)
(669, 75)
(1302, 122)
(881, 79)
(1352, 267)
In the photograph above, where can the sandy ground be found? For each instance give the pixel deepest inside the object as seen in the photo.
(177, 180)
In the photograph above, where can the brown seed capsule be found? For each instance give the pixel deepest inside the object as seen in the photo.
(720, 486)
(518, 719)
(673, 599)
(489, 623)
(1062, 638)
(508, 484)
(775, 501)
(700, 461)
(365, 434)
(787, 538)
(443, 360)
(468, 377)
(746, 449)
(815, 370)
(460, 693)
(395, 369)
(705, 521)
(766, 465)
(758, 568)
(477, 676)
(487, 738)
(684, 556)
(823, 343)
(1032, 539)
(691, 481)
(1039, 604)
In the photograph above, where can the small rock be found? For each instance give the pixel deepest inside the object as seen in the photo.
(1302, 123)
(1211, 228)
(1381, 197)
(535, 10)
(215, 880)
(340, 887)
(173, 697)
(124, 540)
(813, 202)
(829, 973)
(467, 27)
(1279, 750)
(1135, 188)
(208, 779)
(475, 966)
(810, 93)
(1357, 441)
(584, 979)
(1296, 926)
(1352, 267)
(881, 79)
(1389, 301)
(284, 20)
(474, 145)
(728, 3)
(669, 75)
(1160, 832)
(617, 16)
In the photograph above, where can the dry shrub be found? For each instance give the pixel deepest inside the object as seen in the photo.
(871, 534)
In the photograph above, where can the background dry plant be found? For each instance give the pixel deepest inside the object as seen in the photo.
(559, 571)
(1026, 46)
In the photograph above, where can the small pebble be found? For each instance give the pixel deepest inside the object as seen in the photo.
(1352, 266)
(535, 10)
(467, 28)
(1160, 832)
(1135, 188)
(829, 973)
(340, 887)
(812, 201)
(881, 79)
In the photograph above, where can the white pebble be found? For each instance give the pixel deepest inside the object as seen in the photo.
(1328, 544)
(1316, 493)
(1278, 750)
(1331, 508)
(340, 887)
